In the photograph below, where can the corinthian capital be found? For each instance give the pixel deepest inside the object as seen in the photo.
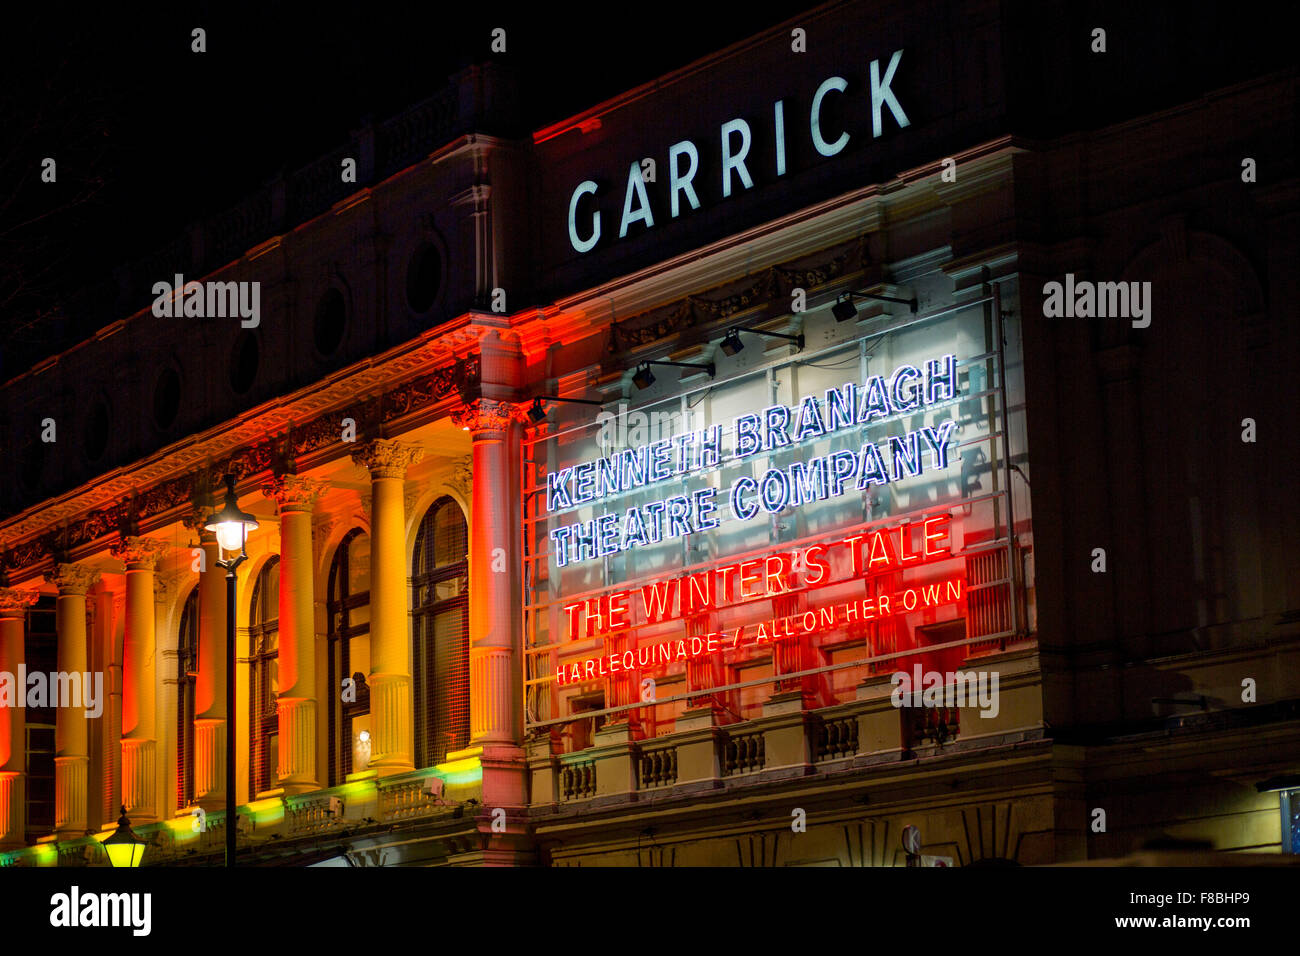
(197, 519)
(487, 415)
(137, 553)
(14, 601)
(293, 493)
(387, 459)
(72, 578)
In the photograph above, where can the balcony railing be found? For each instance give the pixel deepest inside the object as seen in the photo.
(788, 740)
(578, 781)
(368, 802)
(657, 768)
(744, 753)
(837, 738)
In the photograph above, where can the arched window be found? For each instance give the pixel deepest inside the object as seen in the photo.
(264, 679)
(187, 672)
(440, 607)
(348, 606)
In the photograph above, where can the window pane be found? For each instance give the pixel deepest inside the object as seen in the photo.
(452, 587)
(359, 564)
(266, 594)
(271, 591)
(451, 683)
(359, 654)
(450, 542)
(359, 615)
(360, 742)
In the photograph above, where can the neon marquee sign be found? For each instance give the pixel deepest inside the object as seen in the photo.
(862, 555)
(842, 409)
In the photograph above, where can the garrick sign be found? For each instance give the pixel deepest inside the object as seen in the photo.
(680, 188)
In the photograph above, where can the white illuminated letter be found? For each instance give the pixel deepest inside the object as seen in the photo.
(882, 95)
(779, 109)
(635, 184)
(683, 182)
(579, 244)
(823, 147)
(736, 161)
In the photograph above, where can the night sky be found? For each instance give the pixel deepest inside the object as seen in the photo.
(150, 137)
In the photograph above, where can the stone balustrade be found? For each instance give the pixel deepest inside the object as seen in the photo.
(789, 740)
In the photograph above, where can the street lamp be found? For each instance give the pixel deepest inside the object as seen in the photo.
(231, 526)
(124, 848)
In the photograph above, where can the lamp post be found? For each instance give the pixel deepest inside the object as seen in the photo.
(231, 526)
(124, 848)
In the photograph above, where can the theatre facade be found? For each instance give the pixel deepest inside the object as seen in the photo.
(654, 488)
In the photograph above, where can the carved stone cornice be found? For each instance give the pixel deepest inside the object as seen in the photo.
(487, 415)
(388, 459)
(294, 493)
(461, 479)
(139, 553)
(400, 386)
(73, 578)
(771, 285)
(197, 520)
(15, 601)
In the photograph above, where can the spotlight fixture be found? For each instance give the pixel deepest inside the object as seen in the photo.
(537, 411)
(732, 344)
(843, 309)
(644, 378)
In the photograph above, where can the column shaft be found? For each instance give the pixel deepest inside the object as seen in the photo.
(391, 715)
(13, 725)
(296, 701)
(492, 692)
(71, 740)
(210, 687)
(139, 656)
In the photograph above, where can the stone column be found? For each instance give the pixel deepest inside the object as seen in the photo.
(71, 740)
(391, 714)
(210, 687)
(139, 655)
(491, 625)
(13, 726)
(296, 701)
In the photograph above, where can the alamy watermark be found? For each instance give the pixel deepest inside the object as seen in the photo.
(946, 689)
(1098, 300)
(77, 909)
(624, 429)
(55, 689)
(198, 300)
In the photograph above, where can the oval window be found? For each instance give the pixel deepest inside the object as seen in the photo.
(166, 398)
(331, 319)
(423, 277)
(243, 362)
(95, 439)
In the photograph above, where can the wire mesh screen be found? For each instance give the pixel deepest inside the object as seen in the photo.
(41, 654)
(348, 607)
(187, 666)
(440, 607)
(263, 642)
